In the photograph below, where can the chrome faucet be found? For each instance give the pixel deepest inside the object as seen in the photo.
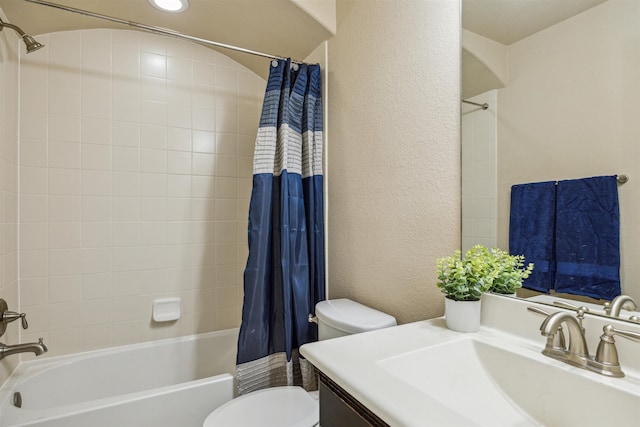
(613, 308)
(37, 348)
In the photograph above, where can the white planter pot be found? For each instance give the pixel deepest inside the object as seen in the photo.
(462, 316)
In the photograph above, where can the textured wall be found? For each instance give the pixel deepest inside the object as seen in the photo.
(570, 110)
(136, 165)
(394, 165)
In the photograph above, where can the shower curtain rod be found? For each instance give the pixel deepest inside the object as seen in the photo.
(484, 106)
(159, 30)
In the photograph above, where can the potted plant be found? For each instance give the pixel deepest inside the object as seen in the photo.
(463, 281)
(511, 272)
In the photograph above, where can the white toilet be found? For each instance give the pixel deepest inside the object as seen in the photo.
(292, 406)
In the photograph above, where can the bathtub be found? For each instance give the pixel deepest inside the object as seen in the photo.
(169, 383)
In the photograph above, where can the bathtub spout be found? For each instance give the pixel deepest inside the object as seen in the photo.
(37, 348)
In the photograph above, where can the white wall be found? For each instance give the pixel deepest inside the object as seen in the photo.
(136, 165)
(394, 189)
(9, 120)
(479, 172)
(571, 110)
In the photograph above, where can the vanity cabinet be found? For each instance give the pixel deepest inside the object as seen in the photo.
(339, 409)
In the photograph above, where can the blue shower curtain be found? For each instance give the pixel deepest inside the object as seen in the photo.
(284, 276)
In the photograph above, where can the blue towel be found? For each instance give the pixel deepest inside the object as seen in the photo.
(588, 237)
(531, 231)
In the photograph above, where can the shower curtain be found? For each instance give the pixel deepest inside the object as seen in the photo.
(284, 275)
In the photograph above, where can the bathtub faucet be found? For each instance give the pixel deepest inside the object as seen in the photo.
(37, 348)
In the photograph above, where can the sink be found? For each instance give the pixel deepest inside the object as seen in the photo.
(493, 384)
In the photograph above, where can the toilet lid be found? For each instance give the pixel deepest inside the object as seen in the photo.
(272, 407)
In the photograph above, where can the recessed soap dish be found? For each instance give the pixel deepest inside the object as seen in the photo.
(166, 309)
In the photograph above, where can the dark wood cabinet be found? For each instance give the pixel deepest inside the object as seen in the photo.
(339, 409)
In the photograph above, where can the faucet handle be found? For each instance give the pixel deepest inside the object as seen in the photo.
(10, 316)
(606, 358)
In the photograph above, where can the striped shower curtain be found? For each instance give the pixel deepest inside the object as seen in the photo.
(284, 275)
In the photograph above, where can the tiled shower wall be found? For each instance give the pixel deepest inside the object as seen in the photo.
(479, 172)
(9, 187)
(135, 178)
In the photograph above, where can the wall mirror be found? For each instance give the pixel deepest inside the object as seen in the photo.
(559, 81)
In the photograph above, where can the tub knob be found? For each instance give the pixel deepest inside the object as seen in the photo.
(7, 316)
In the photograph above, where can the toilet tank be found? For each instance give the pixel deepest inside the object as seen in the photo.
(340, 317)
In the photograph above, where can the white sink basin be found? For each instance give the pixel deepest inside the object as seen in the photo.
(513, 386)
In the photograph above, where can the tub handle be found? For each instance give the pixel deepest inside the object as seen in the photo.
(7, 316)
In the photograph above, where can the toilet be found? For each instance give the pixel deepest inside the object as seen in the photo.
(293, 406)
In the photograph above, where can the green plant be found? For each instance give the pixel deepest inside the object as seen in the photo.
(466, 279)
(511, 272)
(481, 269)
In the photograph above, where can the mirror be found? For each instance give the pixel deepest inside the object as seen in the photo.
(560, 81)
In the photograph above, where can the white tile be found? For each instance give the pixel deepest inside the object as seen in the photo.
(33, 153)
(226, 210)
(178, 209)
(178, 139)
(64, 181)
(126, 63)
(96, 234)
(64, 127)
(125, 159)
(125, 134)
(203, 186)
(96, 312)
(64, 262)
(153, 185)
(96, 130)
(65, 289)
(153, 136)
(203, 119)
(33, 180)
(126, 283)
(64, 101)
(96, 102)
(125, 183)
(126, 108)
(178, 185)
(64, 235)
(126, 258)
(203, 97)
(226, 165)
(178, 162)
(153, 112)
(34, 263)
(126, 209)
(96, 57)
(64, 155)
(227, 143)
(36, 126)
(153, 209)
(64, 208)
(96, 208)
(203, 164)
(153, 89)
(203, 209)
(34, 235)
(204, 142)
(226, 187)
(227, 78)
(226, 121)
(65, 49)
(153, 233)
(153, 161)
(178, 232)
(153, 65)
(179, 69)
(97, 157)
(126, 234)
(96, 286)
(96, 183)
(33, 208)
(96, 260)
(204, 74)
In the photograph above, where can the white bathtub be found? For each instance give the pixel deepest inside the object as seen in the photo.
(169, 383)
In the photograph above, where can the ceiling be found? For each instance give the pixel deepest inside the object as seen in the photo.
(507, 21)
(278, 27)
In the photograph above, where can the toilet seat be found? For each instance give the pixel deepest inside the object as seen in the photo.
(272, 407)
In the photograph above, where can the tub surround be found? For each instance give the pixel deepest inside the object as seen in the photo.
(361, 364)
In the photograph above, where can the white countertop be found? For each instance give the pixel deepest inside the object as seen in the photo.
(354, 362)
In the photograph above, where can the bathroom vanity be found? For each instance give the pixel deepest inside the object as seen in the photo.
(422, 374)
